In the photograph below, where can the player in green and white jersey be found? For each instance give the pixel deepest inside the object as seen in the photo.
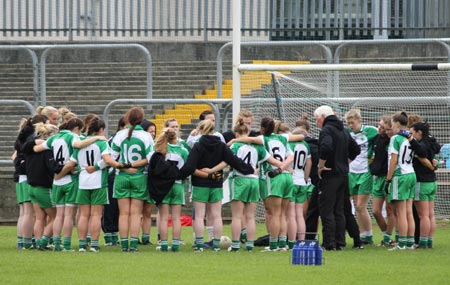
(244, 189)
(93, 183)
(276, 189)
(401, 180)
(301, 170)
(360, 178)
(64, 190)
(175, 154)
(134, 146)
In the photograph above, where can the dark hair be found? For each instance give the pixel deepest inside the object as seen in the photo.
(72, 124)
(303, 123)
(424, 127)
(87, 120)
(134, 117)
(401, 118)
(205, 113)
(268, 124)
(95, 125)
(145, 124)
(121, 124)
(38, 119)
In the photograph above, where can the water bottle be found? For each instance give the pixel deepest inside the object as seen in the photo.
(311, 258)
(296, 254)
(301, 248)
(319, 251)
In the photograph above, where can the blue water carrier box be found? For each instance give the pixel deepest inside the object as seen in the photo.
(307, 252)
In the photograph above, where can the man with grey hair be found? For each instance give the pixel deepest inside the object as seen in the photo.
(336, 148)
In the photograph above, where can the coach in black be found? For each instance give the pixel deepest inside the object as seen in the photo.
(336, 149)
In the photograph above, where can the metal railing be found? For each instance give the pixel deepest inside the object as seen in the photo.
(212, 103)
(34, 64)
(48, 49)
(14, 103)
(211, 20)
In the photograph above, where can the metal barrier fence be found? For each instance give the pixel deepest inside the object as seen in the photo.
(211, 20)
(34, 64)
(214, 104)
(28, 106)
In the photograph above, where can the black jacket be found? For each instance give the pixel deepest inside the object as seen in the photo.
(379, 166)
(40, 167)
(19, 161)
(161, 177)
(336, 146)
(314, 150)
(208, 152)
(430, 147)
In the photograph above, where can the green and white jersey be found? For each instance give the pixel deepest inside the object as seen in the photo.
(90, 156)
(184, 144)
(364, 138)
(400, 145)
(138, 147)
(177, 155)
(278, 147)
(62, 145)
(301, 154)
(250, 153)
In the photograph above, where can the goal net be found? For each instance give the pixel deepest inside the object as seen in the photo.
(286, 92)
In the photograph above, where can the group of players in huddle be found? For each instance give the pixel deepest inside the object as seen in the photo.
(73, 171)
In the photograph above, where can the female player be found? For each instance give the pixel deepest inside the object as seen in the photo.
(64, 190)
(208, 152)
(302, 168)
(360, 178)
(244, 189)
(50, 112)
(40, 168)
(175, 155)
(134, 146)
(275, 184)
(173, 124)
(401, 181)
(379, 168)
(92, 194)
(26, 216)
(426, 183)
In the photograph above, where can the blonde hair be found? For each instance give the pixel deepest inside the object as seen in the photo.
(412, 119)
(240, 128)
(303, 123)
(66, 114)
(353, 114)
(166, 122)
(206, 127)
(281, 128)
(244, 114)
(168, 135)
(46, 111)
(44, 131)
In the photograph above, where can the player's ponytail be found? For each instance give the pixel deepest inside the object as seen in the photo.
(168, 135)
(240, 128)
(95, 126)
(134, 117)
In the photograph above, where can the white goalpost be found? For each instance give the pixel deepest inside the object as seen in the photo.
(286, 92)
